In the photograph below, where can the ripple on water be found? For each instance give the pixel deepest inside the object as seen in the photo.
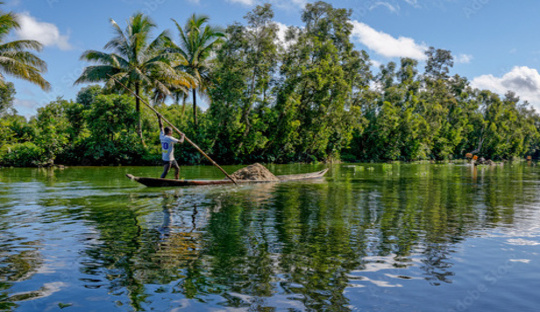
(420, 238)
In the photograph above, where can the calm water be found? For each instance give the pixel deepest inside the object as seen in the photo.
(366, 238)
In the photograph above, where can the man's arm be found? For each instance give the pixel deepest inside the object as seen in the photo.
(160, 123)
(181, 140)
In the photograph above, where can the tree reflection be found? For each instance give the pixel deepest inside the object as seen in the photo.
(291, 245)
(18, 266)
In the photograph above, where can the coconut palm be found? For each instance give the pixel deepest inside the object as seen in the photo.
(197, 41)
(136, 62)
(15, 60)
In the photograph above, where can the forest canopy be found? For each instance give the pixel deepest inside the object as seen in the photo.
(310, 96)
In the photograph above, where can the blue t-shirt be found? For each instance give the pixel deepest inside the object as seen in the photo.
(167, 146)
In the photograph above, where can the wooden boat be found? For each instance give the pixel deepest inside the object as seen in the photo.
(155, 182)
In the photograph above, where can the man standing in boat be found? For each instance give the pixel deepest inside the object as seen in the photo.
(167, 147)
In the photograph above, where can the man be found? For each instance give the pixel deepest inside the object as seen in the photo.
(167, 147)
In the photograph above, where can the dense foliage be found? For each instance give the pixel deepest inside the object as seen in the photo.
(310, 96)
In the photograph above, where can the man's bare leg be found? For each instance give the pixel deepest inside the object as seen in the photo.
(177, 172)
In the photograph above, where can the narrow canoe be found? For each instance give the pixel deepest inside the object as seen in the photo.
(155, 182)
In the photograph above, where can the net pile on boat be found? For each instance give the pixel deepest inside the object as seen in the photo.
(255, 172)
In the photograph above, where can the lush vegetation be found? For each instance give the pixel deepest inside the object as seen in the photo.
(310, 96)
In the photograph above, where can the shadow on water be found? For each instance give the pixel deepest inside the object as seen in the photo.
(332, 245)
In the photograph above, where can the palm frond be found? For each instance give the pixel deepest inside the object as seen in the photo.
(23, 71)
(15, 60)
(98, 73)
(119, 43)
(26, 58)
(111, 83)
(21, 45)
(118, 30)
(195, 22)
(103, 58)
(160, 43)
(8, 22)
(176, 59)
(154, 65)
(184, 41)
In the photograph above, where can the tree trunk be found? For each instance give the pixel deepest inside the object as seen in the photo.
(184, 97)
(138, 109)
(195, 108)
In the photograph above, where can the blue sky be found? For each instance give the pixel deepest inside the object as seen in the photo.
(496, 44)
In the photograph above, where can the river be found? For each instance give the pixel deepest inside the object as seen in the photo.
(368, 237)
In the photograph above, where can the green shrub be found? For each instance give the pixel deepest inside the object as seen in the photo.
(25, 154)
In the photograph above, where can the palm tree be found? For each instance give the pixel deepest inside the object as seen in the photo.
(15, 60)
(137, 63)
(197, 41)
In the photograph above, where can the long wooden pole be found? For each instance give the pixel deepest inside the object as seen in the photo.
(172, 126)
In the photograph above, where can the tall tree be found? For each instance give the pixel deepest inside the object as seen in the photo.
(320, 70)
(136, 61)
(245, 70)
(15, 59)
(439, 63)
(197, 41)
(7, 91)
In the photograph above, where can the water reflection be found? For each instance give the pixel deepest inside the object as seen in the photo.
(334, 245)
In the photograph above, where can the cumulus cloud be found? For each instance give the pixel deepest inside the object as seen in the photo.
(282, 31)
(386, 45)
(524, 81)
(463, 58)
(46, 33)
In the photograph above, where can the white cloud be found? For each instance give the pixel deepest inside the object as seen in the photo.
(244, 2)
(46, 33)
(375, 63)
(299, 3)
(464, 58)
(18, 103)
(524, 81)
(25, 107)
(386, 45)
(282, 31)
(414, 3)
(375, 86)
(391, 8)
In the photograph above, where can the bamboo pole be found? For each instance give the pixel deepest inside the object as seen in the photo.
(172, 126)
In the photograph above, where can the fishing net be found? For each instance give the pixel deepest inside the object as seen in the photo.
(255, 172)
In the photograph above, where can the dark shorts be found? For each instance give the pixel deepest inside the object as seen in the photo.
(171, 164)
(167, 165)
